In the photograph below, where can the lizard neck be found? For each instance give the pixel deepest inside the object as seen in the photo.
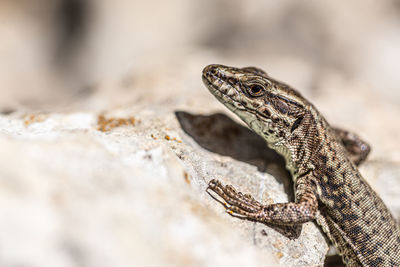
(300, 148)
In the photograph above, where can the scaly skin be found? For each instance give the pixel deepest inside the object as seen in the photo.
(322, 161)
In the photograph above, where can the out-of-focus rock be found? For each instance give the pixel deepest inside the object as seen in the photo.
(64, 48)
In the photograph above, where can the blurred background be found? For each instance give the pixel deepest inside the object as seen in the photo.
(55, 52)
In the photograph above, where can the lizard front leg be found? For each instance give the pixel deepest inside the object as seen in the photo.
(289, 214)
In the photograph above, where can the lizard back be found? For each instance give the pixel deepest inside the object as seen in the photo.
(352, 215)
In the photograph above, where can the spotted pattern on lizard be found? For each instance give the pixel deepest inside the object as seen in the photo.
(323, 163)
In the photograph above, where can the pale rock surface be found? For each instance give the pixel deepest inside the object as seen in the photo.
(74, 196)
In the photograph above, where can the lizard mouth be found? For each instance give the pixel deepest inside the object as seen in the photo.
(209, 80)
(217, 84)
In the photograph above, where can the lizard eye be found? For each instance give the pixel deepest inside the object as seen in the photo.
(256, 90)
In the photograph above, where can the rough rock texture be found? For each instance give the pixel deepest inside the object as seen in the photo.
(135, 196)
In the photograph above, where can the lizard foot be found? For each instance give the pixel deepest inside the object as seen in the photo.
(244, 206)
(236, 202)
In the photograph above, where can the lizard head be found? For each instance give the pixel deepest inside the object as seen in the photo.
(270, 108)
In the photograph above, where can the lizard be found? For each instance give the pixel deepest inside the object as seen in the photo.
(322, 161)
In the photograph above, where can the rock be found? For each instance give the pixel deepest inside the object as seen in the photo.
(136, 195)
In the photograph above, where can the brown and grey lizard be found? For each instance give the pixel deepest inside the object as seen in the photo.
(322, 161)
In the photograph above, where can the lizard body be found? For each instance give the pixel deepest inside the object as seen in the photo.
(322, 161)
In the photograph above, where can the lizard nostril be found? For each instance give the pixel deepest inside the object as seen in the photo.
(213, 71)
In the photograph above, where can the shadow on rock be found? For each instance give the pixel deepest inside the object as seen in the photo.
(220, 134)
